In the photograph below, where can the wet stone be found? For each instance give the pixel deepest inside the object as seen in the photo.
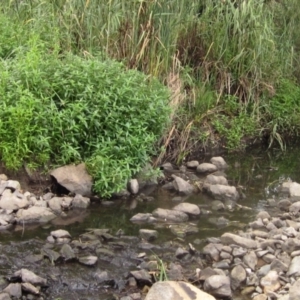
(148, 234)
(67, 252)
(88, 260)
(14, 290)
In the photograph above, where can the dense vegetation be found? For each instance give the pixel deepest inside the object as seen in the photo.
(232, 68)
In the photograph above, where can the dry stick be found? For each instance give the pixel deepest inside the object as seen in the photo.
(165, 145)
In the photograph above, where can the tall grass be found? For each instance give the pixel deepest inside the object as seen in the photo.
(207, 51)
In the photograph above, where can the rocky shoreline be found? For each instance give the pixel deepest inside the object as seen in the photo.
(261, 262)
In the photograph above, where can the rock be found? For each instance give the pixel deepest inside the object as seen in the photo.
(238, 276)
(170, 215)
(55, 204)
(14, 290)
(206, 168)
(67, 252)
(229, 238)
(188, 208)
(219, 162)
(294, 189)
(176, 290)
(223, 192)
(284, 204)
(270, 282)
(193, 164)
(28, 276)
(10, 201)
(35, 214)
(29, 288)
(295, 208)
(167, 167)
(88, 260)
(217, 205)
(13, 185)
(80, 202)
(182, 230)
(141, 217)
(278, 266)
(250, 260)
(142, 276)
(148, 234)
(181, 253)
(175, 272)
(4, 296)
(263, 215)
(51, 254)
(60, 233)
(74, 178)
(218, 285)
(294, 291)
(101, 276)
(260, 297)
(133, 186)
(294, 268)
(182, 186)
(212, 179)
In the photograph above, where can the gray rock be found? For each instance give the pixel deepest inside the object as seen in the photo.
(223, 192)
(284, 204)
(238, 276)
(217, 205)
(148, 234)
(176, 290)
(218, 285)
(212, 179)
(206, 168)
(182, 230)
(3, 185)
(170, 215)
(13, 185)
(133, 186)
(141, 217)
(55, 204)
(35, 214)
(67, 252)
(88, 260)
(10, 201)
(188, 208)
(29, 288)
(219, 162)
(278, 266)
(250, 260)
(74, 178)
(28, 276)
(181, 253)
(211, 250)
(14, 290)
(294, 268)
(80, 202)
(295, 208)
(4, 296)
(263, 215)
(193, 164)
(101, 276)
(60, 233)
(294, 291)
(182, 186)
(294, 189)
(229, 238)
(264, 270)
(239, 252)
(142, 276)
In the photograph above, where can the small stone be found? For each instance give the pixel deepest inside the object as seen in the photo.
(88, 260)
(193, 164)
(60, 233)
(206, 168)
(133, 186)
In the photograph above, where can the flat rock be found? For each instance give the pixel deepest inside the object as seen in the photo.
(193, 164)
(218, 285)
(170, 215)
(142, 276)
(176, 290)
(206, 168)
(188, 208)
(29, 276)
(223, 192)
(74, 178)
(230, 238)
(141, 217)
(35, 214)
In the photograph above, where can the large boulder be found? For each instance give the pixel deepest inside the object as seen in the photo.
(176, 290)
(74, 178)
(170, 215)
(223, 192)
(35, 214)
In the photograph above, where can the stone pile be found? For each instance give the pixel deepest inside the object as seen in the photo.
(24, 207)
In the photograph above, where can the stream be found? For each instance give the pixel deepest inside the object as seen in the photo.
(256, 172)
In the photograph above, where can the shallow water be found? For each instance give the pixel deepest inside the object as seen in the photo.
(256, 172)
